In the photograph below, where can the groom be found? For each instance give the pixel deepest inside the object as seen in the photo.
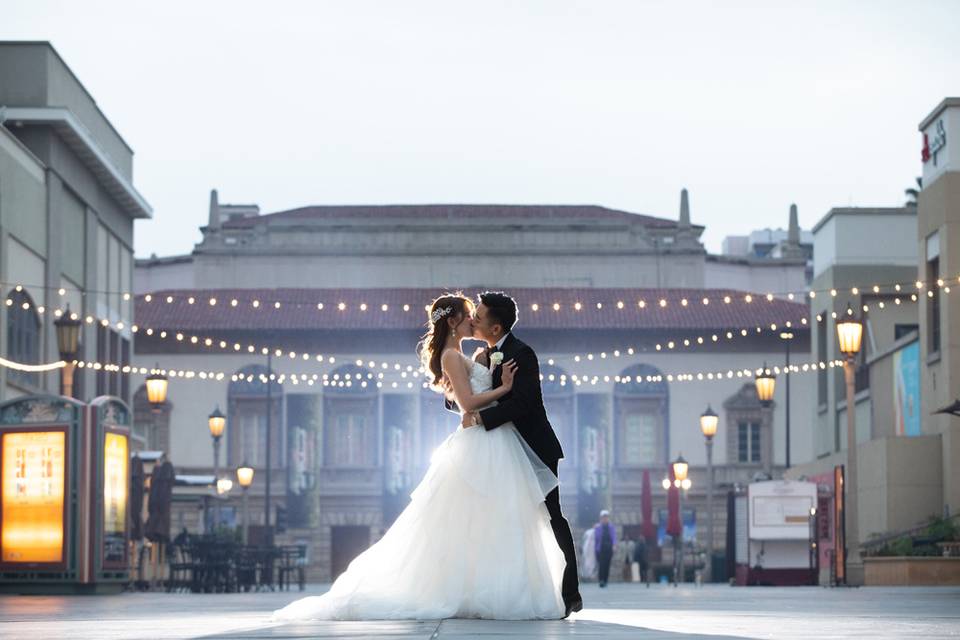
(523, 406)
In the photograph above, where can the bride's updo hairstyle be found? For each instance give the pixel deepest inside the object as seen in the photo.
(445, 313)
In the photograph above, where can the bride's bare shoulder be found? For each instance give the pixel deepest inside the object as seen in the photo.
(450, 356)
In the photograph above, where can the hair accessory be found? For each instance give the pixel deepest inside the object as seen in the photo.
(440, 313)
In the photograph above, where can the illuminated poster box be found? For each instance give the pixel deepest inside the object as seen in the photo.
(114, 499)
(32, 487)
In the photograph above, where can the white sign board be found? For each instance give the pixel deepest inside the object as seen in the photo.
(780, 509)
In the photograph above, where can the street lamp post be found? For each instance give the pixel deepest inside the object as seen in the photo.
(849, 338)
(68, 344)
(787, 337)
(766, 382)
(245, 478)
(217, 422)
(708, 426)
(682, 483)
(266, 495)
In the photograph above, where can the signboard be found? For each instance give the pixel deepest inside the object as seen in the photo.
(939, 152)
(780, 509)
(32, 489)
(906, 390)
(115, 486)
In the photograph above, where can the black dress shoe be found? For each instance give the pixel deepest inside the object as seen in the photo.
(574, 605)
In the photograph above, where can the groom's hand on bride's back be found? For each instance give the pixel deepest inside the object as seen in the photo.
(480, 355)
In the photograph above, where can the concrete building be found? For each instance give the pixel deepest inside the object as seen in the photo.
(906, 452)
(938, 218)
(352, 282)
(67, 208)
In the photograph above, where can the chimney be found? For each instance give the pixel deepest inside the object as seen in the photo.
(793, 231)
(684, 210)
(214, 223)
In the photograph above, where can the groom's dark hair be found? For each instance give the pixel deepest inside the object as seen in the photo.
(503, 308)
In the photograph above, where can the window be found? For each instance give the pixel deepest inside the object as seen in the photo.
(748, 442)
(901, 330)
(246, 432)
(253, 434)
(349, 444)
(112, 348)
(23, 336)
(641, 418)
(639, 439)
(933, 306)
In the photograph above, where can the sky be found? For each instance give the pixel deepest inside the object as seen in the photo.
(751, 106)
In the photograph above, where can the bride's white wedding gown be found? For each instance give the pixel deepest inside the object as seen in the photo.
(474, 542)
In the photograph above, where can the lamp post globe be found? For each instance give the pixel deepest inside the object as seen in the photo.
(157, 384)
(849, 334)
(216, 421)
(680, 468)
(708, 423)
(765, 382)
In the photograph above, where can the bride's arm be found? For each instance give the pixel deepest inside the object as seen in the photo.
(455, 368)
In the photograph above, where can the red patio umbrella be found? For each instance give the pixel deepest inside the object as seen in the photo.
(673, 507)
(646, 505)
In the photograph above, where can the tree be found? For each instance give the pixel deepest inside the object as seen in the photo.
(913, 193)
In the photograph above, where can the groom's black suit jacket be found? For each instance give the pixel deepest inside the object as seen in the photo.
(523, 404)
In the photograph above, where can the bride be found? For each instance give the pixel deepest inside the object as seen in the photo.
(475, 541)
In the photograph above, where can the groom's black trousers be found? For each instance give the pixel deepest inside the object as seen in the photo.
(570, 588)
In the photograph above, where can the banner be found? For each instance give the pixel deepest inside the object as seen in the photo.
(906, 390)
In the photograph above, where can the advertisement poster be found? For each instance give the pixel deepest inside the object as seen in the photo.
(114, 497)
(32, 496)
(906, 390)
(689, 526)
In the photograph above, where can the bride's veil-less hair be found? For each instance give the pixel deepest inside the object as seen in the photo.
(445, 313)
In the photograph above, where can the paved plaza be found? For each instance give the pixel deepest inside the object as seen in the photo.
(620, 611)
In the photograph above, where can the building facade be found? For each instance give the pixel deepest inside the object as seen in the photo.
(336, 295)
(67, 208)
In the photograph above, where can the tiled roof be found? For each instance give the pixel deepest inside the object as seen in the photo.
(299, 311)
(452, 212)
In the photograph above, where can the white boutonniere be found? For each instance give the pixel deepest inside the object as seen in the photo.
(495, 359)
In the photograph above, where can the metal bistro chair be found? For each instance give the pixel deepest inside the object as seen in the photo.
(246, 568)
(266, 568)
(184, 568)
(293, 559)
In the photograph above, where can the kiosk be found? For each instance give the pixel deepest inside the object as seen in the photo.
(63, 495)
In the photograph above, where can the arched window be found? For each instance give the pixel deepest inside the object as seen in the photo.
(641, 423)
(23, 336)
(749, 429)
(350, 411)
(247, 418)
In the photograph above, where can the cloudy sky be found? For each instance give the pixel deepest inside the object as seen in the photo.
(750, 105)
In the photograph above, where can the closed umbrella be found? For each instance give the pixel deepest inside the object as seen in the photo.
(136, 498)
(646, 505)
(161, 492)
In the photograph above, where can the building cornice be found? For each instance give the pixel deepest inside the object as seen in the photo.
(940, 108)
(82, 142)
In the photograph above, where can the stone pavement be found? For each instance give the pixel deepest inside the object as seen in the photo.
(620, 611)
